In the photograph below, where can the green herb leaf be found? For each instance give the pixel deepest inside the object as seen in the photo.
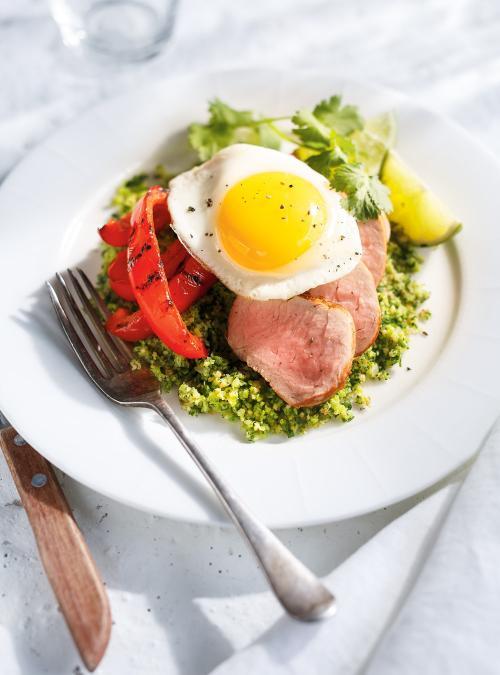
(311, 131)
(227, 126)
(342, 119)
(366, 196)
(267, 137)
(223, 114)
(326, 161)
(207, 139)
(137, 181)
(329, 123)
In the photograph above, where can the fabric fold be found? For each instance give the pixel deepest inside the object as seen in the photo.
(423, 596)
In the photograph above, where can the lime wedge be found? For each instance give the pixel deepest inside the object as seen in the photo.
(372, 143)
(371, 151)
(383, 127)
(418, 215)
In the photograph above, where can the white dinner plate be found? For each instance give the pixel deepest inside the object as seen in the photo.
(422, 424)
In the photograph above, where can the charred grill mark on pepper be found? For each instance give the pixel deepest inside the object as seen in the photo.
(195, 279)
(150, 279)
(133, 259)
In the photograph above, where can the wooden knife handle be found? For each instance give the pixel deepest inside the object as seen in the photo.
(65, 556)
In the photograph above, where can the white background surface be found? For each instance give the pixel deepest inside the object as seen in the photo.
(445, 54)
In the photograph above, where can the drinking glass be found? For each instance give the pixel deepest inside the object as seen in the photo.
(120, 30)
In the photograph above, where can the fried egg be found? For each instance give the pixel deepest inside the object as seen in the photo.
(265, 223)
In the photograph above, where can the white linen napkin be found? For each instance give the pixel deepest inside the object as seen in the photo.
(423, 596)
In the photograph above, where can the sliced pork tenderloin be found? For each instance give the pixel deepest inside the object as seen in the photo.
(303, 346)
(358, 294)
(386, 224)
(374, 236)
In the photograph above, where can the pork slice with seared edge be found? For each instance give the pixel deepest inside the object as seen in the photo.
(358, 294)
(303, 346)
(374, 236)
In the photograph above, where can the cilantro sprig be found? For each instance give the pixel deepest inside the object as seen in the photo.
(325, 135)
(327, 130)
(328, 122)
(365, 196)
(227, 126)
(342, 119)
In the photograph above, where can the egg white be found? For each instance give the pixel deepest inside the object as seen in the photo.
(195, 197)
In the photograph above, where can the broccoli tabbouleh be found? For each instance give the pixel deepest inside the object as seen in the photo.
(223, 384)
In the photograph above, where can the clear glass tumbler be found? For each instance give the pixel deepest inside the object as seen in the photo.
(121, 30)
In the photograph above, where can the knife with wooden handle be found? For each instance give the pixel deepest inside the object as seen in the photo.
(65, 556)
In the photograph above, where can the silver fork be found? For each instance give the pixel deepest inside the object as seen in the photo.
(106, 360)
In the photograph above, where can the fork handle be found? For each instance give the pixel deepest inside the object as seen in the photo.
(300, 592)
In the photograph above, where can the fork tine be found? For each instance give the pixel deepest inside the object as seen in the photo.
(80, 324)
(93, 370)
(94, 295)
(95, 324)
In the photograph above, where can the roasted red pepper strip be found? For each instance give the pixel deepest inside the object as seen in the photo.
(149, 281)
(117, 270)
(117, 231)
(122, 289)
(128, 327)
(172, 259)
(118, 277)
(186, 287)
(190, 284)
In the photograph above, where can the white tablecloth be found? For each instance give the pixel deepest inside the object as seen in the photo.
(168, 582)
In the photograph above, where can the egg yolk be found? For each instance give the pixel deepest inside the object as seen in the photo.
(269, 219)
